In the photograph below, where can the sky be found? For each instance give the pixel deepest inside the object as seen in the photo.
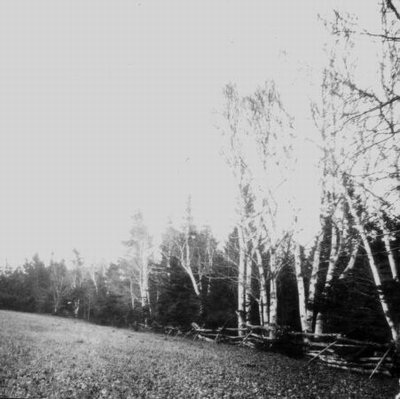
(107, 107)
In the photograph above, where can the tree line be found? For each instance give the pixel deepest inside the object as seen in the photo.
(187, 279)
(194, 280)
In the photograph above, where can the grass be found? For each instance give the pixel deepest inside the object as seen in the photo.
(50, 357)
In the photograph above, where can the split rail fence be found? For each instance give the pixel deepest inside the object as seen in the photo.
(335, 350)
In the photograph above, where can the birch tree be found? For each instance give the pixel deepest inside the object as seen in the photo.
(258, 133)
(235, 158)
(195, 250)
(336, 153)
(77, 280)
(370, 181)
(60, 283)
(138, 261)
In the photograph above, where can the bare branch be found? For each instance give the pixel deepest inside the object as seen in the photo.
(391, 6)
(376, 108)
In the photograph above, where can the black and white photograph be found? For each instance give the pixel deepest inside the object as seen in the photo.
(199, 199)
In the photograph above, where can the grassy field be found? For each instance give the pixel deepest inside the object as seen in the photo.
(50, 357)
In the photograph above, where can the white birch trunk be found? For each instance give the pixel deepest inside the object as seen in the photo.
(300, 289)
(374, 269)
(194, 282)
(389, 251)
(248, 289)
(313, 281)
(93, 276)
(333, 259)
(263, 302)
(186, 264)
(55, 307)
(132, 293)
(76, 307)
(144, 285)
(273, 295)
(241, 282)
(352, 261)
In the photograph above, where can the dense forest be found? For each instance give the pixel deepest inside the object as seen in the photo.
(346, 280)
(191, 280)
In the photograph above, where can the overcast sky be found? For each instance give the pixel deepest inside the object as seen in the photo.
(110, 106)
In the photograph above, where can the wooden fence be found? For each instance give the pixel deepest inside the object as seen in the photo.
(335, 350)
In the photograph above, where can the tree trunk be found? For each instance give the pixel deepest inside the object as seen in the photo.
(263, 302)
(389, 251)
(300, 289)
(352, 261)
(333, 259)
(333, 256)
(186, 264)
(144, 284)
(313, 282)
(273, 298)
(248, 290)
(241, 282)
(144, 289)
(133, 296)
(93, 275)
(374, 269)
(76, 307)
(194, 282)
(56, 299)
(319, 324)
